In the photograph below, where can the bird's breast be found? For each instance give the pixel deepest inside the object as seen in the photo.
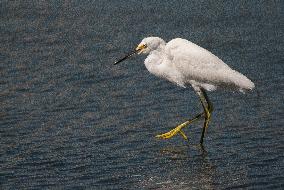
(162, 67)
(152, 62)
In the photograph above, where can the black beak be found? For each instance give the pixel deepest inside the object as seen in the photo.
(127, 56)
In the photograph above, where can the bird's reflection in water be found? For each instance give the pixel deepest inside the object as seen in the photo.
(192, 165)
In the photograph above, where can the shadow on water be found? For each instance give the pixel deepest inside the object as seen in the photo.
(185, 150)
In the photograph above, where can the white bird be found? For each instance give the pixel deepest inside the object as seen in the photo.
(187, 64)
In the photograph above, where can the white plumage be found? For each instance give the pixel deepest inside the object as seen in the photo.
(183, 62)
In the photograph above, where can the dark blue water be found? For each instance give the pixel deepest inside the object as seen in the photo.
(70, 119)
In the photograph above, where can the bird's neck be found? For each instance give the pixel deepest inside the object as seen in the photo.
(154, 60)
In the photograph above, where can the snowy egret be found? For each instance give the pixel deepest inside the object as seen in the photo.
(187, 64)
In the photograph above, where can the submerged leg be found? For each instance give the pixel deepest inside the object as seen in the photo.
(207, 111)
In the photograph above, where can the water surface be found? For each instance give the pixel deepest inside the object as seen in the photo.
(69, 118)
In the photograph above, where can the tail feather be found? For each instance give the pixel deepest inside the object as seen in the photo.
(242, 82)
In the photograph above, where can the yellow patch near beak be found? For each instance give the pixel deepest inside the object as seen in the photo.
(140, 48)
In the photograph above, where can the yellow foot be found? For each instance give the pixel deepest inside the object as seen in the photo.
(183, 135)
(174, 131)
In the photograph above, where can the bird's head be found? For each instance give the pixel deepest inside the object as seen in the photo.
(145, 46)
(150, 44)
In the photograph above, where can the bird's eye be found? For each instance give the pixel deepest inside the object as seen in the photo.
(144, 45)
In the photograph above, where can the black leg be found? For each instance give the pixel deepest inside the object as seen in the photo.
(207, 106)
(207, 111)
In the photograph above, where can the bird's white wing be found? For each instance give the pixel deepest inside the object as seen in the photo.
(196, 63)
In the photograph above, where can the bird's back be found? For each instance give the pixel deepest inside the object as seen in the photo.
(198, 65)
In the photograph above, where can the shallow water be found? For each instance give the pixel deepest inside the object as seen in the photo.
(69, 118)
